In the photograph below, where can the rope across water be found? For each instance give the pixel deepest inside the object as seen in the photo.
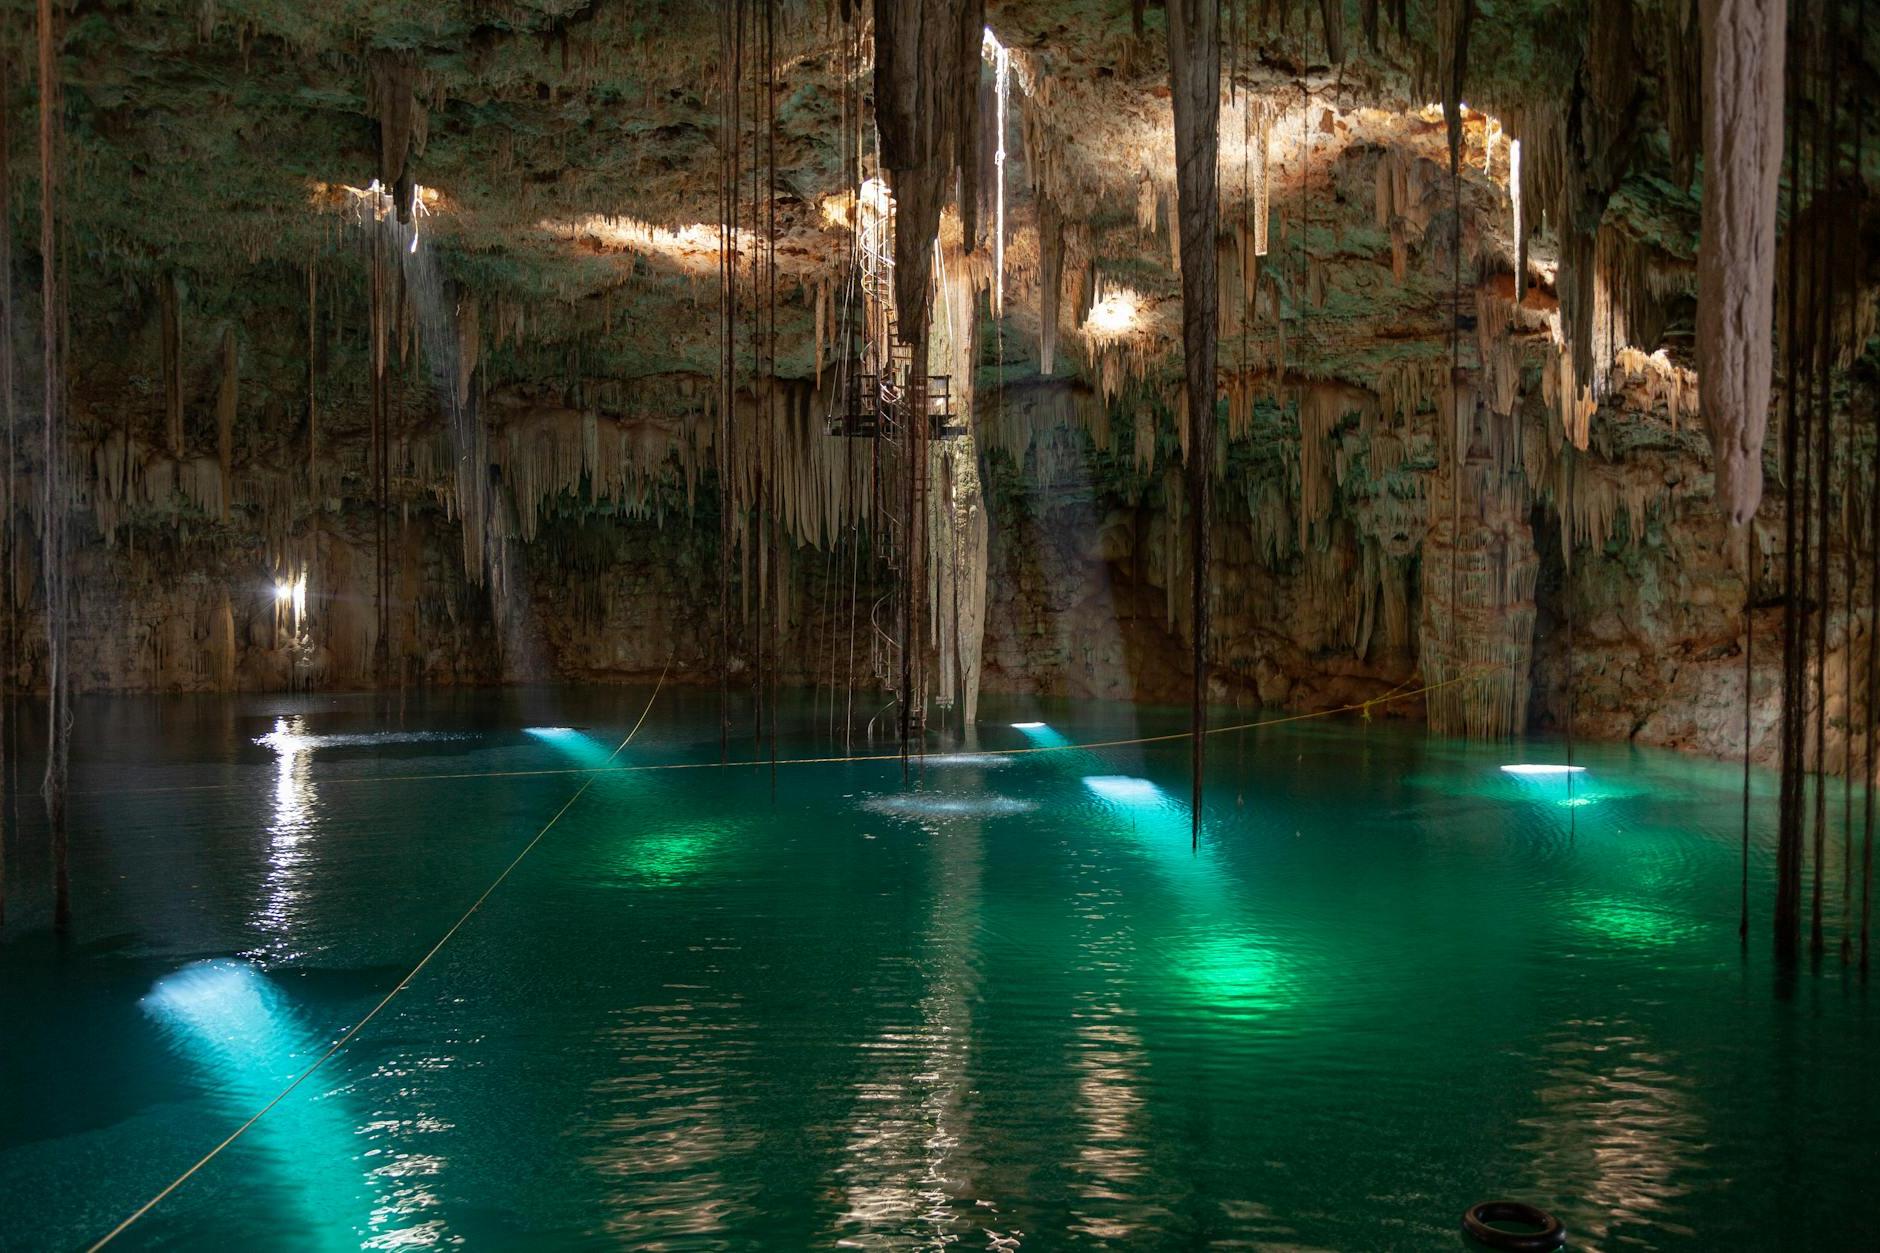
(1359, 707)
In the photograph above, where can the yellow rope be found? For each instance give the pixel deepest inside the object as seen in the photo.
(1391, 697)
(359, 1026)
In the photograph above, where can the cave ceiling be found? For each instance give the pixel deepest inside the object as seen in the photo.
(569, 153)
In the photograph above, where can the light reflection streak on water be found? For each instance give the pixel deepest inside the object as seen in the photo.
(1109, 1060)
(1619, 1133)
(901, 1184)
(291, 826)
(402, 1215)
(404, 1139)
(665, 1120)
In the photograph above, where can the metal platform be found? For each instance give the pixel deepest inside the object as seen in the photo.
(877, 407)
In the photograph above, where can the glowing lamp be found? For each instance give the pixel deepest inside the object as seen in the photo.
(1541, 769)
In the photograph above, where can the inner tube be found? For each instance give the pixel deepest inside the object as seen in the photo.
(1548, 1233)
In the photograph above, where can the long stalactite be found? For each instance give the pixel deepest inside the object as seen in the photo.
(1743, 56)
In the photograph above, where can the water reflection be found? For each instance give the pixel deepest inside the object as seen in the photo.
(902, 1181)
(667, 1122)
(1619, 1133)
(1109, 1060)
(290, 830)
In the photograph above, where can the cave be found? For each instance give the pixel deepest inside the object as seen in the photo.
(735, 624)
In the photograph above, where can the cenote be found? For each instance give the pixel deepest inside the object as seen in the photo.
(1003, 1001)
(917, 624)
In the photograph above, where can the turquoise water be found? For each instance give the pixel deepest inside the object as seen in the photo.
(1004, 1005)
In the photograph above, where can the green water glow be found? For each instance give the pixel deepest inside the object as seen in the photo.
(1001, 1004)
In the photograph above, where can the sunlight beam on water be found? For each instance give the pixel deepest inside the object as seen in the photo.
(583, 750)
(1122, 789)
(247, 1042)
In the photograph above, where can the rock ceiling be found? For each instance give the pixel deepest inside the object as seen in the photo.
(202, 134)
(569, 156)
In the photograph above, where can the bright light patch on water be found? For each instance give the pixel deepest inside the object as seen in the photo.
(246, 1040)
(1235, 978)
(283, 740)
(966, 759)
(671, 855)
(228, 1001)
(922, 805)
(1541, 769)
(1026, 726)
(1635, 924)
(584, 749)
(1123, 789)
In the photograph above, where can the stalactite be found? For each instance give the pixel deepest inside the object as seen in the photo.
(225, 422)
(1520, 222)
(222, 644)
(927, 67)
(172, 362)
(1453, 20)
(1563, 391)
(1682, 85)
(469, 345)
(1663, 386)
(822, 312)
(392, 98)
(1148, 205)
(1332, 14)
(1634, 288)
(1321, 409)
(1500, 361)
(1050, 282)
(963, 90)
(1262, 179)
(959, 509)
(1743, 45)
(314, 489)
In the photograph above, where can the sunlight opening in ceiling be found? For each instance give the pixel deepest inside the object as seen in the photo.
(1117, 312)
(693, 248)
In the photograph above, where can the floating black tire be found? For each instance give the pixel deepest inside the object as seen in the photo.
(1547, 1234)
